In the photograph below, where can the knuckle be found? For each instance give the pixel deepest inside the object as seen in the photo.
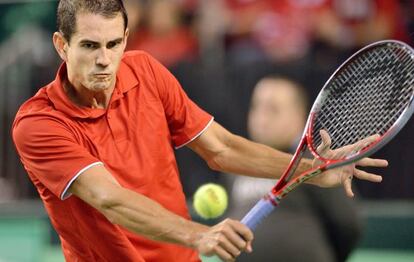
(216, 239)
(211, 247)
(227, 230)
(221, 239)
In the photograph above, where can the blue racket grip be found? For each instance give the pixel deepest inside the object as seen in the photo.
(256, 215)
(259, 212)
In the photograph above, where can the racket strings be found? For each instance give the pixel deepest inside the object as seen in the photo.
(366, 96)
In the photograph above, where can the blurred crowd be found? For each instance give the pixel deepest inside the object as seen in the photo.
(246, 31)
(218, 50)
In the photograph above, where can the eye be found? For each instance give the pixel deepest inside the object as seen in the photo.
(113, 44)
(89, 45)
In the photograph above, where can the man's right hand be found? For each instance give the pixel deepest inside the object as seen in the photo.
(226, 240)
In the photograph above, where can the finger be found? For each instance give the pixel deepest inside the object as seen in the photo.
(372, 162)
(235, 239)
(242, 230)
(348, 186)
(249, 248)
(229, 247)
(326, 142)
(365, 142)
(223, 254)
(352, 149)
(360, 174)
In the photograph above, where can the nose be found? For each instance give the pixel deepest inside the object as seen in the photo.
(103, 58)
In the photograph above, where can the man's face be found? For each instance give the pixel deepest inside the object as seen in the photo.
(276, 118)
(94, 52)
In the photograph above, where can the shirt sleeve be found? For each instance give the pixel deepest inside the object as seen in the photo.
(186, 120)
(50, 152)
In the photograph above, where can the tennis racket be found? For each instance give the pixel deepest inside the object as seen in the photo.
(369, 96)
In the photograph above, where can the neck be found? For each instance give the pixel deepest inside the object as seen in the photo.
(87, 98)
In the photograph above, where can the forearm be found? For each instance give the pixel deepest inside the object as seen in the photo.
(146, 217)
(134, 211)
(242, 156)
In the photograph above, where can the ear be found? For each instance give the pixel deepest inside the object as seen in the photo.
(126, 37)
(61, 45)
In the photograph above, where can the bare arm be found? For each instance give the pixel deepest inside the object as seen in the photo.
(229, 153)
(136, 212)
(141, 215)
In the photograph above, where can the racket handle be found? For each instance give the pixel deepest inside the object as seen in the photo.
(259, 212)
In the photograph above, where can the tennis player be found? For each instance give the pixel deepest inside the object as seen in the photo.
(98, 143)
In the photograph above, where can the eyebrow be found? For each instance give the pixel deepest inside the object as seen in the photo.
(86, 41)
(117, 40)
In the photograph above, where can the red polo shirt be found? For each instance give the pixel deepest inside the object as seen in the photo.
(133, 138)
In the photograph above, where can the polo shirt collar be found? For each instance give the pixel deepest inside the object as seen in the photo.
(125, 81)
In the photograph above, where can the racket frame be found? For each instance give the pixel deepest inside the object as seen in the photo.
(287, 183)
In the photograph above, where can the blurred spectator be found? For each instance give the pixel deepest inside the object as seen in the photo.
(277, 30)
(162, 33)
(354, 23)
(310, 224)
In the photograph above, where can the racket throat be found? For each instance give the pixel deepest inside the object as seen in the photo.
(291, 169)
(272, 199)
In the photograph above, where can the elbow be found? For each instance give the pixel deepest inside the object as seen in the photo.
(106, 203)
(221, 160)
(215, 164)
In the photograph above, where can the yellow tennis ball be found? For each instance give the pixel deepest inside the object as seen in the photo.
(210, 201)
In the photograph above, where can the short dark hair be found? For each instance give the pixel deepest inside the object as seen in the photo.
(68, 9)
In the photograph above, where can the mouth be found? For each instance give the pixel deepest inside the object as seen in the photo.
(102, 75)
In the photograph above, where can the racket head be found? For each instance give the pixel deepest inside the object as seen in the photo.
(371, 93)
